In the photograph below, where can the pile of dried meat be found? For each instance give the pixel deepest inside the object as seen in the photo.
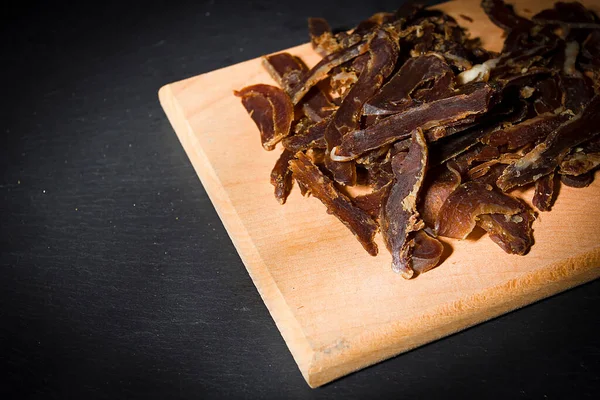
(435, 129)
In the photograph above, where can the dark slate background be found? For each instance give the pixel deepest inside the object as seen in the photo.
(117, 279)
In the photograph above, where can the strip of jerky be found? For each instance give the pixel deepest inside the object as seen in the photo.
(421, 71)
(281, 65)
(578, 181)
(446, 148)
(426, 252)
(543, 195)
(321, 70)
(578, 92)
(271, 110)
(581, 161)
(281, 176)
(321, 37)
(571, 15)
(371, 202)
(459, 213)
(321, 187)
(436, 190)
(526, 132)
(512, 233)
(311, 137)
(343, 172)
(383, 54)
(399, 217)
(546, 156)
(548, 95)
(503, 15)
(424, 116)
(287, 71)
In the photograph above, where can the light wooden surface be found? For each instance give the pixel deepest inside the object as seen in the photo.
(337, 308)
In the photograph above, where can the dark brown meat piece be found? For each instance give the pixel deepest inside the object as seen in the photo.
(512, 233)
(399, 218)
(448, 147)
(546, 156)
(590, 52)
(373, 156)
(492, 175)
(571, 15)
(270, 109)
(459, 213)
(371, 202)
(526, 132)
(399, 126)
(383, 53)
(343, 172)
(426, 252)
(320, 71)
(313, 136)
(579, 181)
(437, 188)
(548, 95)
(287, 71)
(503, 14)
(321, 37)
(579, 163)
(577, 92)
(428, 72)
(281, 176)
(283, 65)
(321, 187)
(476, 173)
(543, 196)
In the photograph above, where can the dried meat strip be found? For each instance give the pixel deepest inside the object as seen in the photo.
(271, 110)
(311, 137)
(282, 66)
(548, 97)
(383, 53)
(543, 196)
(583, 159)
(426, 252)
(436, 190)
(577, 92)
(399, 216)
(281, 176)
(546, 156)
(321, 37)
(425, 116)
(371, 202)
(526, 132)
(577, 181)
(503, 15)
(396, 95)
(320, 71)
(321, 187)
(512, 233)
(459, 213)
(572, 15)
(448, 147)
(287, 71)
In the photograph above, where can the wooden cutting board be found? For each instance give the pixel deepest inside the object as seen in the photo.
(339, 309)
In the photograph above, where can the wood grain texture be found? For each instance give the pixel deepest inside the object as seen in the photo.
(337, 308)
